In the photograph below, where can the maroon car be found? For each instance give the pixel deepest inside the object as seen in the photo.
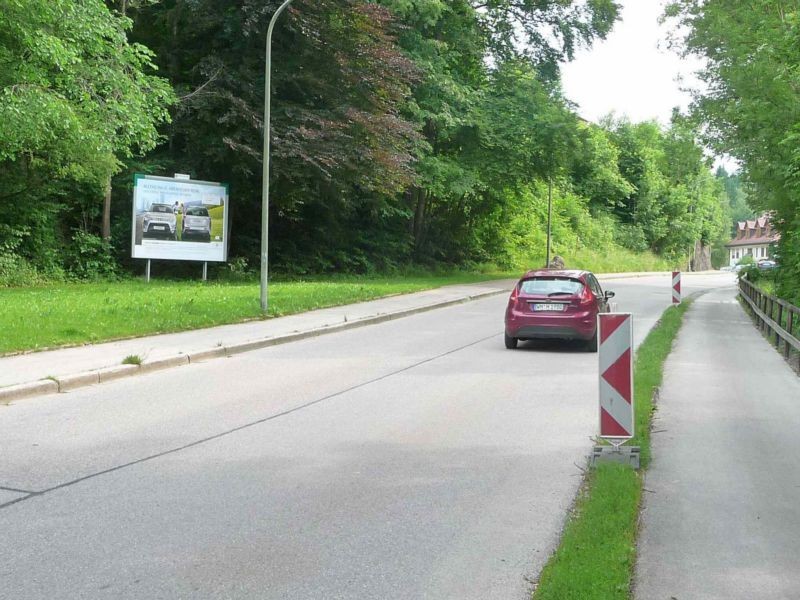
(558, 304)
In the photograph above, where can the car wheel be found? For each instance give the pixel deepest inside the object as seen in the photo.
(511, 342)
(591, 344)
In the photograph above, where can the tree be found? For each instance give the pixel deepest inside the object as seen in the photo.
(75, 98)
(546, 32)
(736, 195)
(751, 103)
(342, 149)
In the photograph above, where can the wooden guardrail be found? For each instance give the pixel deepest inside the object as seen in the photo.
(775, 317)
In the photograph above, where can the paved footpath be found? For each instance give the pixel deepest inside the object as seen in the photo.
(721, 513)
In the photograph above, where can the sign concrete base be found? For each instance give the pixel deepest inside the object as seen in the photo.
(626, 455)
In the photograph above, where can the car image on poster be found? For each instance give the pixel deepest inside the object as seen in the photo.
(179, 219)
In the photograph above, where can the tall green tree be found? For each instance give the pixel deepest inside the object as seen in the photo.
(736, 194)
(751, 103)
(342, 150)
(75, 99)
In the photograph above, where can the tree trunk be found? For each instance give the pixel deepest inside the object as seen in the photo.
(419, 218)
(107, 211)
(701, 260)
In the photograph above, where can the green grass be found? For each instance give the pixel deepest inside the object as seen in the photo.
(600, 260)
(34, 318)
(217, 221)
(598, 546)
(597, 553)
(648, 372)
(613, 259)
(132, 359)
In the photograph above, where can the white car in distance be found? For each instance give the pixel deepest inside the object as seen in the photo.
(159, 220)
(196, 224)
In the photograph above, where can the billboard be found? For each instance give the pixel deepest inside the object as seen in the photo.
(179, 219)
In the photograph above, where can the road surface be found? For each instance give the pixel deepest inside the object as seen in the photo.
(412, 459)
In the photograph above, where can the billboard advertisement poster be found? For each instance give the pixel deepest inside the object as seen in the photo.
(179, 219)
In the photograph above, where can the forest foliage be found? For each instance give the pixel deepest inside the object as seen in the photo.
(750, 105)
(404, 131)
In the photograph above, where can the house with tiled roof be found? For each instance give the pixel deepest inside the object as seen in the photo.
(755, 238)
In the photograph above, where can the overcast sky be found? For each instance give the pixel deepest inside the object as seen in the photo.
(632, 72)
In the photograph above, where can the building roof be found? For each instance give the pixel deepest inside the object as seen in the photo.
(758, 232)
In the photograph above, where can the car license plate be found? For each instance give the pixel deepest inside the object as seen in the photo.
(550, 307)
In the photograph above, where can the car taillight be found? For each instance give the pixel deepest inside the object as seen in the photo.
(514, 295)
(586, 297)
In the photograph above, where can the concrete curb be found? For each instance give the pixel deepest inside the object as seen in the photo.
(65, 383)
(203, 355)
(164, 363)
(26, 390)
(71, 382)
(111, 373)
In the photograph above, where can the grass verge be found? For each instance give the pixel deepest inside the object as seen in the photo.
(597, 554)
(34, 318)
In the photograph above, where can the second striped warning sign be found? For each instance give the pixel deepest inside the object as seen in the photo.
(615, 332)
(676, 287)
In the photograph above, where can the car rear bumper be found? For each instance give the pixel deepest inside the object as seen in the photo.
(156, 227)
(545, 332)
(582, 325)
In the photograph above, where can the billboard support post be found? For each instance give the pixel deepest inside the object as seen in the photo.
(205, 271)
(147, 272)
(617, 417)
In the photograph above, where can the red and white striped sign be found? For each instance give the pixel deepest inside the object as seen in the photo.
(615, 331)
(676, 287)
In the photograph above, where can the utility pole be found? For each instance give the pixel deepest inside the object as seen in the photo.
(265, 180)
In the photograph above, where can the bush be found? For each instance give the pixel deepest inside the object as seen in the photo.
(631, 237)
(15, 270)
(89, 257)
(236, 269)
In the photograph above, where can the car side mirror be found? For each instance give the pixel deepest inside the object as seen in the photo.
(609, 295)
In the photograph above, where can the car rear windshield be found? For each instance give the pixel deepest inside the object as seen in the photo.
(160, 208)
(545, 286)
(197, 211)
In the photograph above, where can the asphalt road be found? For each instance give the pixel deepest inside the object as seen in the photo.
(412, 459)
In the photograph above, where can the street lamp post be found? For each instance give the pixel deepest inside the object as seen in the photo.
(549, 216)
(265, 180)
(552, 130)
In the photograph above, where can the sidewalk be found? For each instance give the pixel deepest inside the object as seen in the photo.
(721, 515)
